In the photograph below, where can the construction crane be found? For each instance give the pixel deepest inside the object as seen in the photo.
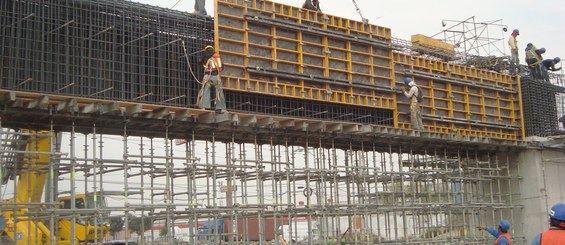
(26, 158)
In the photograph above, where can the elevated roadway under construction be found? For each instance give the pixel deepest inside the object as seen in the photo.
(315, 130)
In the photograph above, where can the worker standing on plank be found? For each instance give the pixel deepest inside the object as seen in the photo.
(501, 234)
(556, 233)
(513, 43)
(313, 5)
(415, 111)
(211, 83)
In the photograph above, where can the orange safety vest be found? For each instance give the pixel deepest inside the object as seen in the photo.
(215, 63)
(503, 235)
(552, 237)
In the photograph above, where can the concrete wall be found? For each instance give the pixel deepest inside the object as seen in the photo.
(541, 187)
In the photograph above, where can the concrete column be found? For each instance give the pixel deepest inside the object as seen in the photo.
(542, 173)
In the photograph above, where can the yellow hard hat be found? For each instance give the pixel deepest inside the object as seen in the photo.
(208, 47)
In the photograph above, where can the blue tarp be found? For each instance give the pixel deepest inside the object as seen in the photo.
(2, 222)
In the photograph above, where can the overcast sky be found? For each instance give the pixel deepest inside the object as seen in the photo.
(540, 22)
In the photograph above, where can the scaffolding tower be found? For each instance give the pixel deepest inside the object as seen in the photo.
(376, 194)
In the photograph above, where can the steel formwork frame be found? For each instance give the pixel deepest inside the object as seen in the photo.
(364, 196)
(351, 190)
(301, 63)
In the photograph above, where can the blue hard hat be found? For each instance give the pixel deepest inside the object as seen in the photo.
(516, 31)
(557, 212)
(504, 225)
(542, 50)
(407, 80)
(556, 59)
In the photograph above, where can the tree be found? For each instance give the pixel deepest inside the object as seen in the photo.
(116, 225)
(134, 224)
(163, 232)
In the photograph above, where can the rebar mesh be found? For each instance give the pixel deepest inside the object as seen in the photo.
(540, 107)
(106, 49)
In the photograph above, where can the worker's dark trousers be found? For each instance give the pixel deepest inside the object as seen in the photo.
(535, 71)
(199, 7)
(514, 62)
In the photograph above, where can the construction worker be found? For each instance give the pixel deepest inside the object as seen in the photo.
(501, 234)
(549, 65)
(533, 59)
(562, 121)
(556, 233)
(211, 82)
(415, 111)
(199, 8)
(313, 5)
(513, 43)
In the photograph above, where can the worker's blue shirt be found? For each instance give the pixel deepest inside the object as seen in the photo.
(537, 239)
(547, 63)
(494, 232)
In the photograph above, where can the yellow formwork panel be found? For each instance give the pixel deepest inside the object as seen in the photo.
(278, 50)
(471, 102)
(264, 44)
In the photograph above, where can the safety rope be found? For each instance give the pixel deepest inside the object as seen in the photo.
(186, 55)
(365, 21)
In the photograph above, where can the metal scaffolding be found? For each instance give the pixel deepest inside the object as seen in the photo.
(378, 194)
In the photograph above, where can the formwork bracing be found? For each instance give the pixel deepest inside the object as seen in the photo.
(364, 196)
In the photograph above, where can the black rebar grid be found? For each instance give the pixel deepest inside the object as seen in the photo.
(106, 49)
(309, 109)
(540, 107)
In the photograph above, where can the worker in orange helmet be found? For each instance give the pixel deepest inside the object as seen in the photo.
(556, 233)
(211, 82)
(313, 5)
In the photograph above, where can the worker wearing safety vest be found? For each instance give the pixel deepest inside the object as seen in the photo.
(211, 82)
(556, 233)
(501, 234)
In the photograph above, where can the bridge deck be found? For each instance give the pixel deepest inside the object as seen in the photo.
(38, 111)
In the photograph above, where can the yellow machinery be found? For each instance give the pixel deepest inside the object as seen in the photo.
(85, 229)
(30, 154)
